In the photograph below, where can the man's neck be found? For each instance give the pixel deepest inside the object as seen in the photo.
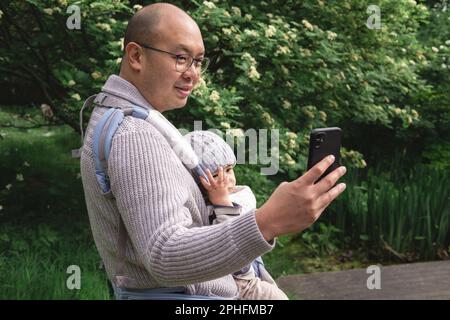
(125, 76)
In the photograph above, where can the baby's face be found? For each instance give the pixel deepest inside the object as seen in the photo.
(228, 172)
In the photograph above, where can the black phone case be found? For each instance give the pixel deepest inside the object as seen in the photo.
(323, 142)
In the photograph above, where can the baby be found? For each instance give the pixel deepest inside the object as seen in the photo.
(218, 160)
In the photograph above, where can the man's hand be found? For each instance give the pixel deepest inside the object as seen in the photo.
(296, 205)
(217, 188)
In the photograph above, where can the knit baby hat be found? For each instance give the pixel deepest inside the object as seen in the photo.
(212, 151)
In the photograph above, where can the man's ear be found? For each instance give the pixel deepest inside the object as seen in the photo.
(134, 56)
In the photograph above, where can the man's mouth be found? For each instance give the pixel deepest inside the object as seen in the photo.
(184, 91)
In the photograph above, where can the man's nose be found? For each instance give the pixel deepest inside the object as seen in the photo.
(191, 72)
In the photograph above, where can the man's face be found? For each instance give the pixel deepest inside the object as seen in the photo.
(162, 85)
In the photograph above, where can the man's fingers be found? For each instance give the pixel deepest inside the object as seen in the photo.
(330, 180)
(325, 199)
(313, 174)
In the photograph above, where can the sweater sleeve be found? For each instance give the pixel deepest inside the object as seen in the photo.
(147, 181)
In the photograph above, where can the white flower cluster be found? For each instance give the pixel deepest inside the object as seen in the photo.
(323, 116)
(270, 31)
(288, 160)
(214, 96)
(76, 96)
(219, 111)
(247, 56)
(227, 31)
(253, 73)
(333, 104)
(225, 125)
(96, 74)
(209, 4)
(292, 141)
(104, 26)
(121, 43)
(48, 11)
(331, 35)
(286, 104)
(305, 52)
(236, 11)
(310, 111)
(251, 33)
(282, 50)
(308, 25)
(267, 118)
(239, 133)
(409, 116)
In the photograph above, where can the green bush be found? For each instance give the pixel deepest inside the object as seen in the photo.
(279, 64)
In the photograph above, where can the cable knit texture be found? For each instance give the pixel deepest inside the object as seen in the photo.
(170, 240)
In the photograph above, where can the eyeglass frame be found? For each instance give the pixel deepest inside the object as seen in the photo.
(202, 69)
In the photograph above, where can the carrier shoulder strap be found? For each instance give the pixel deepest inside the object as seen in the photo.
(120, 279)
(76, 153)
(105, 130)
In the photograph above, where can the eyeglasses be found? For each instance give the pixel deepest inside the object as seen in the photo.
(183, 61)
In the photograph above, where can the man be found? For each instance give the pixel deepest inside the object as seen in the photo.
(169, 242)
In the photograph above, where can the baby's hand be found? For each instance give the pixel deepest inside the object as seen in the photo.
(217, 188)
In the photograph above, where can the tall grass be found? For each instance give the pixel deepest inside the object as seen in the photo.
(34, 262)
(407, 214)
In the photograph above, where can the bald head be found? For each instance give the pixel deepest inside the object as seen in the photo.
(146, 25)
(159, 37)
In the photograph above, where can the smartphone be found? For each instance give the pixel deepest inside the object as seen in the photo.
(324, 142)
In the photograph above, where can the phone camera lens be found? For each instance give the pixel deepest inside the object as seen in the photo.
(320, 137)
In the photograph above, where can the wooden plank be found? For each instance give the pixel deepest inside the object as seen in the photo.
(427, 280)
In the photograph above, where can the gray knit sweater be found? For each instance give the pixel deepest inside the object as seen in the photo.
(170, 240)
